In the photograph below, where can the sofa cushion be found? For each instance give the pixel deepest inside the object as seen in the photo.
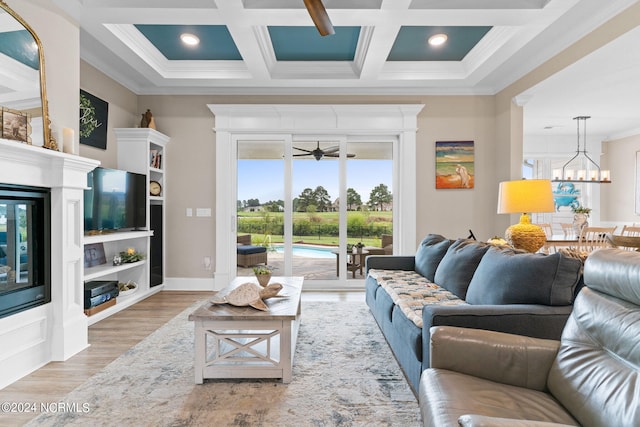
(505, 276)
(456, 269)
(249, 249)
(411, 292)
(430, 253)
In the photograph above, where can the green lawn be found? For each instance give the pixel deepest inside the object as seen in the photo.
(316, 227)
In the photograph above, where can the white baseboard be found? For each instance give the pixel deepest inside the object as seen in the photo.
(189, 284)
(210, 284)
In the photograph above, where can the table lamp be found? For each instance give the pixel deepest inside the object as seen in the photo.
(525, 196)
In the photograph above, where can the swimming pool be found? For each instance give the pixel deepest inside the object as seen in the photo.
(307, 251)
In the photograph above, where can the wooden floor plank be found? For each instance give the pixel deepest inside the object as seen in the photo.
(109, 339)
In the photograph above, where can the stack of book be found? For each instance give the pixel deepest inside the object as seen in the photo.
(99, 294)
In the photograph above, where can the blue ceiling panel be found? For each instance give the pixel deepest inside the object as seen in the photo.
(20, 46)
(216, 42)
(306, 44)
(411, 43)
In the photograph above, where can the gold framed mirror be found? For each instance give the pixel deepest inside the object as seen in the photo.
(23, 92)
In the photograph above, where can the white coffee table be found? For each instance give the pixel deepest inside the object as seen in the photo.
(243, 342)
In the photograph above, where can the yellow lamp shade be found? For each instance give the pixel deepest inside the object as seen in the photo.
(524, 196)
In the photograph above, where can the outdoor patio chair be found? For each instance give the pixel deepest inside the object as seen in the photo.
(386, 246)
(248, 254)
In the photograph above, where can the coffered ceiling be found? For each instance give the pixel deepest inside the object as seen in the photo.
(380, 46)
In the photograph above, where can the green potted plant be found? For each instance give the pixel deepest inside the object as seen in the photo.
(263, 274)
(130, 255)
(581, 210)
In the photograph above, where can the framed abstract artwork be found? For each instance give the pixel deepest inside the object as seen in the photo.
(454, 164)
(93, 120)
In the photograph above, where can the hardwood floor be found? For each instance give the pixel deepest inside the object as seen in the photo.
(109, 339)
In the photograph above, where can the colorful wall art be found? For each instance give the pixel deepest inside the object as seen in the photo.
(454, 164)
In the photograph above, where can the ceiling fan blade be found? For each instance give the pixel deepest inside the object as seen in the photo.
(300, 155)
(320, 17)
(336, 155)
(332, 149)
(302, 149)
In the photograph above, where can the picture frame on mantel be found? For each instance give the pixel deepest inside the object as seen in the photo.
(94, 113)
(455, 162)
(15, 125)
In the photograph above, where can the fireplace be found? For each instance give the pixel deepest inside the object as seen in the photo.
(25, 270)
(54, 330)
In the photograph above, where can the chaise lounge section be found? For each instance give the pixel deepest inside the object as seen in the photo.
(470, 284)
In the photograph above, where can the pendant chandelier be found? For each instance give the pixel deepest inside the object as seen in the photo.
(589, 171)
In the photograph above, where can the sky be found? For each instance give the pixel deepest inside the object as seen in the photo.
(264, 179)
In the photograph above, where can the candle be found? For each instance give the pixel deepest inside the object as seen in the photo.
(68, 140)
(582, 174)
(594, 175)
(569, 174)
(605, 175)
(556, 173)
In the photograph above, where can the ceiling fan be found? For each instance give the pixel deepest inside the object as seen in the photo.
(319, 16)
(319, 153)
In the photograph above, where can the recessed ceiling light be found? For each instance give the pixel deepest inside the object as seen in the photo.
(437, 39)
(189, 39)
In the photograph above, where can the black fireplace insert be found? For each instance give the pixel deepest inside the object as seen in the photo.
(25, 248)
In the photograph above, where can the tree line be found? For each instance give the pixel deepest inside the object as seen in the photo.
(319, 200)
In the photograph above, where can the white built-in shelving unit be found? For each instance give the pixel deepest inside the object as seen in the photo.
(140, 150)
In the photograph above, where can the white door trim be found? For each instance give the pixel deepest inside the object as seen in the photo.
(280, 121)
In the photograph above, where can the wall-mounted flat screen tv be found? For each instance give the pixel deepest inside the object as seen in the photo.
(115, 200)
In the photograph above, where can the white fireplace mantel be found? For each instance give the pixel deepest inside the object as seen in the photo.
(58, 330)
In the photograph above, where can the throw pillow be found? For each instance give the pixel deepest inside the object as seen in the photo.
(505, 276)
(429, 253)
(456, 269)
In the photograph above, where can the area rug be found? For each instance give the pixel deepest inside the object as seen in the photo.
(344, 375)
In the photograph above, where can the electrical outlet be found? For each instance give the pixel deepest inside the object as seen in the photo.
(206, 262)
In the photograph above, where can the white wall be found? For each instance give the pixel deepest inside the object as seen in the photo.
(618, 198)
(191, 161)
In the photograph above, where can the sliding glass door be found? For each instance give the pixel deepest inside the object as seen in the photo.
(313, 207)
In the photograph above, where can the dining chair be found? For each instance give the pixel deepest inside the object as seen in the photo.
(592, 238)
(630, 230)
(547, 247)
(568, 230)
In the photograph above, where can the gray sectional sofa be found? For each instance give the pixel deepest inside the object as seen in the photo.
(469, 284)
(590, 377)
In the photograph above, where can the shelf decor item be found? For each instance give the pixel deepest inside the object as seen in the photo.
(94, 255)
(263, 274)
(131, 255)
(127, 288)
